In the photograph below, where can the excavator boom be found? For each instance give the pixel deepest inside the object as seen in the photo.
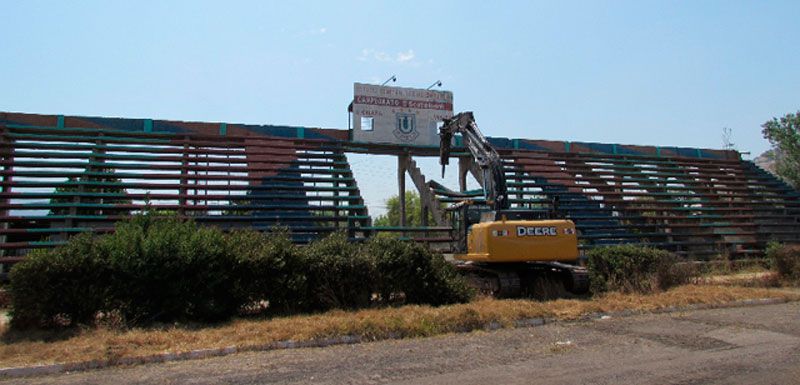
(483, 153)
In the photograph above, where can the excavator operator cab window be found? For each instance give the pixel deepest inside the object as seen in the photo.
(475, 214)
(462, 220)
(460, 229)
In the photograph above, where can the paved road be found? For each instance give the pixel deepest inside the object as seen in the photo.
(752, 345)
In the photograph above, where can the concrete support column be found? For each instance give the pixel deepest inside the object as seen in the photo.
(402, 161)
(463, 170)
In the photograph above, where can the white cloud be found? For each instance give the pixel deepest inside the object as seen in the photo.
(313, 32)
(402, 57)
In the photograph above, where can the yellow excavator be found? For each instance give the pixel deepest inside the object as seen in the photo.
(504, 251)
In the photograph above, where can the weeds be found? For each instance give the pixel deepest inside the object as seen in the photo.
(786, 261)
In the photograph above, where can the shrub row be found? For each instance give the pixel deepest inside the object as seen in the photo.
(161, 269)
(635, 269)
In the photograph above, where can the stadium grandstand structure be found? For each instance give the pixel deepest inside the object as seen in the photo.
(695, 202)
(63, 175)
(67, 175)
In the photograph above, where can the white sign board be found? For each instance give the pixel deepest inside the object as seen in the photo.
(398, 115)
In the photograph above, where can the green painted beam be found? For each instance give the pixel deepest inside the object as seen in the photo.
(79, 138)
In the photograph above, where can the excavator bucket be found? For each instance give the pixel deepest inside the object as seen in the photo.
(445, 137)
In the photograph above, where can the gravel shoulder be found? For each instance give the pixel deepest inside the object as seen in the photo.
(747, 345)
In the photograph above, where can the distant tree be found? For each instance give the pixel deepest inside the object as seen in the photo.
(413, 211)
(784, 135)
(235, 210)
(110, 193)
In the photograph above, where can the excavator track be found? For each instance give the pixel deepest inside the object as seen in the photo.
(542, 280)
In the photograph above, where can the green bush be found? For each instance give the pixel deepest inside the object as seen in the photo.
(157, 268)
(150, 269)
(268, 268)
(165, 269)
(423, 276)
(786, 261)
(338, 275)
(59, 287)
(634, 269)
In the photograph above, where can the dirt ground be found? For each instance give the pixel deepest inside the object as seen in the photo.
(747, 345)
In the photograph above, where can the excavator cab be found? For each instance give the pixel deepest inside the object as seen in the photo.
(462, 217)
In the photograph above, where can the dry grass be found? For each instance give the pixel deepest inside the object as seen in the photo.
(751, 279)
(723, 265)
(18, 348)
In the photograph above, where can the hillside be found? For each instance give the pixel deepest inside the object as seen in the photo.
(766, 161)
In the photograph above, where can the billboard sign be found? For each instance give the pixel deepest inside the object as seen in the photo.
(399, 115)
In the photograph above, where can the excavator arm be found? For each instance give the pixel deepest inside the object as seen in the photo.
(483, 153)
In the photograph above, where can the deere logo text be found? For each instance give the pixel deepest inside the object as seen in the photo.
(536, 231)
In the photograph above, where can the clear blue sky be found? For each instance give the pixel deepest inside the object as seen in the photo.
(638, 72)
